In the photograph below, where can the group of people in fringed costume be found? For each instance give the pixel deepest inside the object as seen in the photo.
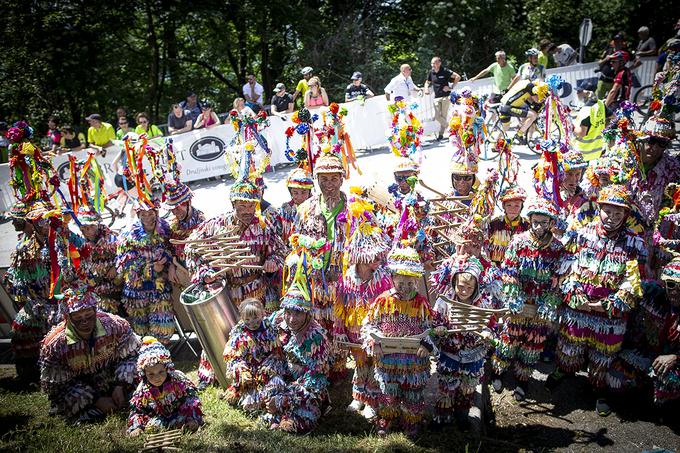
(583, 272)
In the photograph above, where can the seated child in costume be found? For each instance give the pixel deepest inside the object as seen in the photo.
(461, 357)
(165, 398)
(253, 355)
(400, 312)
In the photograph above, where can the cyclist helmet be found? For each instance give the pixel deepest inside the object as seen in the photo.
(540, 89)
(533, 52)
(621, 55)
(306, 70)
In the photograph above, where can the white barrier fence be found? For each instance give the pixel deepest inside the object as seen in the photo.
(201, 153)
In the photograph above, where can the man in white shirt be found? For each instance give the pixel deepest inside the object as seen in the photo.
(252, 92)
(402, 85)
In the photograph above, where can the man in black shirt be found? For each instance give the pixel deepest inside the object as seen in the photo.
(282, 102)
(439, 77)
(357, 90)
(179, 120)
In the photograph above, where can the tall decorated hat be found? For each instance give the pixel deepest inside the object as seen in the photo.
(671, 271)
(513, 193)
(573, 160)
(464, 160)
(329, 163)
(658, 127)
(296, 299)
(542, 206)
(177, 193)
(404, 260)
(145, 204)
(616, 195)
(39, 210)
(151, 353)
(244, 190)
(88, 216)
(18, 211)
(470, 232)
(78, 298)
(366, 241)
(467, 264)
(299, 179)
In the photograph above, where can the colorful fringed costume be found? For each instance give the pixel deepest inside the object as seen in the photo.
(253, 358)
(241, 283)
(287, 214)
(606, 270)
(501, 231)
(172, 405)
(402, 376)
(97, 259)
(357, 297)
(28, 277)
(653, 330)
(648, 188)
(74, 372)
(146, 293)
(578, 210)
(528, 274)
(181, 229)
(298, 403)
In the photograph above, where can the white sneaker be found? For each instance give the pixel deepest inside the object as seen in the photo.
(355, 406)
(369, 413)
(497, 385)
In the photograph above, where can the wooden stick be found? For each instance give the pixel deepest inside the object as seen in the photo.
(222, 236)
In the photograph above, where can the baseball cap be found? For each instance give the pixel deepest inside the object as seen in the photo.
(357, 75)
(306, 70)
(279, 87)
(94, 116)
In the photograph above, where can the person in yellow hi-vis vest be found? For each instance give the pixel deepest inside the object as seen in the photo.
(590, 122)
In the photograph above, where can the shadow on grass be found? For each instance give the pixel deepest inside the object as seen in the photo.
(10, 422)
(536, 436)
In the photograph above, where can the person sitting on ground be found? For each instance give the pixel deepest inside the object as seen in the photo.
(316, 96)
(297, 406)
(87, 361)
(208, 118)
(144, 126)
(179, 120)
(357, 91)
(70, 141)
(282, 102)
(165, 398)
(253, 356)
(531, 70)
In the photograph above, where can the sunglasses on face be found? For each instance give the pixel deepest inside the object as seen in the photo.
(653, 141)
(463, 177)
(670, 284)
(400, 178)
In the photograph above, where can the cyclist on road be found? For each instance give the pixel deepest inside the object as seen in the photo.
(532, 70)
(623, 81)
(523, 100)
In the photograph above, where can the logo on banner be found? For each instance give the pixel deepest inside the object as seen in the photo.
(207, 149)
(63, 171)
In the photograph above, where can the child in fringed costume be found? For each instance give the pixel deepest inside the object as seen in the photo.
(504, 227)
(87, 361)
(185, 217)
(98, 260)
(461, 356)
(599, 293)
(297, 405)
(144, 261)
(300, 185)
(241, 283)
(365, 277)
(400, 312)
(253, 355)
(32, 284)
(577, 208)
(651, 347)
(532, 263)
(165, 398)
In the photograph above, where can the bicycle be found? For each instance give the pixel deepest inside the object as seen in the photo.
(494, 131)
(643, 98)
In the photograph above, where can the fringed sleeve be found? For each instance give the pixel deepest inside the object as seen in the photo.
(629, 292)
(128, 345)
(139, 411)
(510, 277)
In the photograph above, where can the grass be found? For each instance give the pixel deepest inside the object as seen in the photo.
(25, 426)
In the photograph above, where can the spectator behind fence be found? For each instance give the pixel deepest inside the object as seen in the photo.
(502, 73)
(100, 135)
(623, 81)
(316, 96)
(401, 85)
(282, 102)
(192, 105)
(70, 141)
(647, 46)
(253, 93)
(144, 126)
(122, 112)
(179, 120)
(607, 72)
(440, 77)
(124, 127)
(242, 109)
(565, 55)
(357, 90)
(4, 143)
(208, 118)
(546, 48)
(53, 133)
(302, 85)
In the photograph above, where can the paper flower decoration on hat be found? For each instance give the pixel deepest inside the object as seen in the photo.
(671, 271)
(295, 299)
(406, 165)
(88, 216)
(248, 153)
(508, 163)
(405, 131)
(304, 127)
(18, 211)
(86, 183)
(298, 178)
(466, 135)
(176, 194)
(151, 353)
(665, 102)
(542, 206)
(555, 112)
(549, 171)
(484, 201)
(615, 194)
(442, 278)
(307, 255)
(471, 231)
(244, 190)
(137, 152)
(573, 160)
(332, 134)
(78, 298)
(404, 260)
(366, 241)
(513, 193)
